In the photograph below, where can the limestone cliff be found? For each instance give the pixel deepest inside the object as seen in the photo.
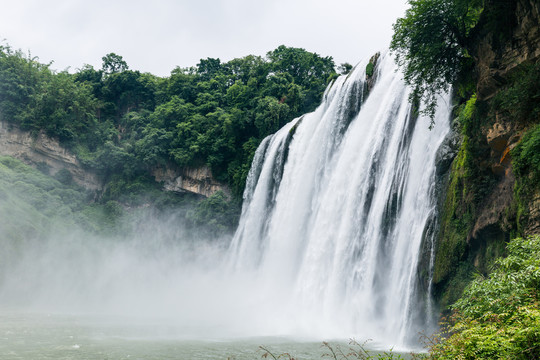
(503, 44)
(498, 55)
(43, 152)
(479, 212)
(195, 180)
(48, 154)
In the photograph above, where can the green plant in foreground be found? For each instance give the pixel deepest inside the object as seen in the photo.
(355, 350)
(497, 317)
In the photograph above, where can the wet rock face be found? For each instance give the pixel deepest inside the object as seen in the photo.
(497, 59)
(46, 153)
(502, 137)
(498, 55)
(497, 137)
(371, 73)
(497, 202)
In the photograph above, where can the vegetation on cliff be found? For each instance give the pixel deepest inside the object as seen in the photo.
(490, 190)
(120, 121)
(432, 44)
(34, 204)
(38, 206)
(481, 49)
(122, 124)
(442, 43)
(498, 317)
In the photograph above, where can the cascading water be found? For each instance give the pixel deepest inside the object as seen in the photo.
(334, 241)
(337, 206)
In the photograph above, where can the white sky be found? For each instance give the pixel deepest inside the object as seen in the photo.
(156, 36)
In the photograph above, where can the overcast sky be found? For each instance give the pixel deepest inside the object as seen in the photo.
(156, 36)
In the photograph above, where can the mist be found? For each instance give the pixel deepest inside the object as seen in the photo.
(148, 269)
(159, 271)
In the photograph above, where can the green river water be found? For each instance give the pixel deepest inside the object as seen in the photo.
(46, 336)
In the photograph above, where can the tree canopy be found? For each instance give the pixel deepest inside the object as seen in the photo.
(121, 121)
(431, 42)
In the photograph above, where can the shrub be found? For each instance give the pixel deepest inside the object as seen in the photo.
(498, 317)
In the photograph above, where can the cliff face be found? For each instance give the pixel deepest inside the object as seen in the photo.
(479, 213)
(195, 180)
(498, 53)
(498, 56)
(47, 154)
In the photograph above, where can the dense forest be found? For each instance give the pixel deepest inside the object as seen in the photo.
(122, 123)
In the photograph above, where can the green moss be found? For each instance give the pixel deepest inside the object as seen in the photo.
(370, 68)
(451, 290)
(519, 100)
(469, 183)
(457, 216)
(466, 114)
(526, 166)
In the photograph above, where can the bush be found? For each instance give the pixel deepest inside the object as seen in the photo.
(217, 213)
(526, 166)
(526, 156)
(498, 317)
(521, 98)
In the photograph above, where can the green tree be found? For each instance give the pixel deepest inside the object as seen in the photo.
(113, 63)
(307, 69)
(432, 44)
(345, 68)
(127, 91)
(20, 76)
(212, 114)
(209, 68)
(182, 83)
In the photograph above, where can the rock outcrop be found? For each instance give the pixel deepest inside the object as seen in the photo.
(496, 58)
(481, 212)
(498, 54)
(45, 153)
(195, 180)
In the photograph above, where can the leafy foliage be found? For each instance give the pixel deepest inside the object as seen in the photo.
(498, 317)
(521, 99)
(431, 43)
(216, 214)
(370, 67)
(345, 68)
(113, 63)
(120, 121)
(526, 157)
(34, 204)
(526, 166)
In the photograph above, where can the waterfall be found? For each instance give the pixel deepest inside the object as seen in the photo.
(337, 210)
(335, 240)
